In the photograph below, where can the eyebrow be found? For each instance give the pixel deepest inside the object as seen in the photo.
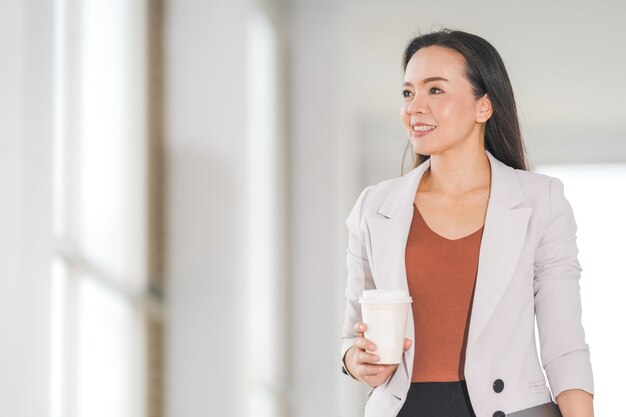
(427, 80)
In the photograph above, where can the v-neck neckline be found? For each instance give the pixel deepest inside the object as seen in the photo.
(437, 234)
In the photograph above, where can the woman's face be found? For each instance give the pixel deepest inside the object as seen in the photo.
(436, 93)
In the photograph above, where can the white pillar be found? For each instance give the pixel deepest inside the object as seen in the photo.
(26, 38)
(205, 147)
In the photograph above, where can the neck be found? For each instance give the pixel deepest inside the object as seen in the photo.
(456, 173)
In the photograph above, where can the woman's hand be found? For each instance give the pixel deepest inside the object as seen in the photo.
(362, 365)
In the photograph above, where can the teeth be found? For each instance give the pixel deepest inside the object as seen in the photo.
(423, 128)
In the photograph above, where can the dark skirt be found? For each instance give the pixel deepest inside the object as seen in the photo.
(437, 399)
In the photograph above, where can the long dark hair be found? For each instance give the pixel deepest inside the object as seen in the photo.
(487, 75)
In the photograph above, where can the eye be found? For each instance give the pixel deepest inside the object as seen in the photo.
(404, 93)
(435, 88)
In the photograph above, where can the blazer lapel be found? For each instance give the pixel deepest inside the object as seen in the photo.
(501, 245)
(502, 240)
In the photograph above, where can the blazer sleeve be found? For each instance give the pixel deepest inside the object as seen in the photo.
(359, 273)
(564, 352)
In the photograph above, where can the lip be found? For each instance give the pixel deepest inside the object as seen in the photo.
(417, 134)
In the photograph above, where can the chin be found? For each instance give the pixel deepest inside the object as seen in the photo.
(421, 149)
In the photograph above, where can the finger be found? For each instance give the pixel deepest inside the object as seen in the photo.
(390, 368)
(364, 357)
(407, 344)
(360, 327)
(369, 370)
(384, 369)
(365, 344)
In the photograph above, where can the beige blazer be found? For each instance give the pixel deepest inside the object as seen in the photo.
(528, 266)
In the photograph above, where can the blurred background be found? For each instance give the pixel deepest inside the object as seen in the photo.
(175, 176)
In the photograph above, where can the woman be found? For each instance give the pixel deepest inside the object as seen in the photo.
(481, 244)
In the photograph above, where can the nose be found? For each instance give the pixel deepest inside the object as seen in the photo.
(415, 105)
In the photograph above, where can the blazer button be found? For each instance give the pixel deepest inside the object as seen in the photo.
(498, 385)
(499, 414)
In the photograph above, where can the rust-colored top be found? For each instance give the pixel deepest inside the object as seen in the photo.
(441, 274)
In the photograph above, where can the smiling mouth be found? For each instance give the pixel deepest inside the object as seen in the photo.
(418, 131)
(423, 128)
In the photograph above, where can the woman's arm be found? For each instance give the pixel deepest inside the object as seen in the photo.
(575, 403)
(359, 275)
(564, 351)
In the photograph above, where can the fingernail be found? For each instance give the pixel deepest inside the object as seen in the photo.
(361, 327)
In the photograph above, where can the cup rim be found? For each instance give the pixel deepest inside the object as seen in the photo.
(398, 296)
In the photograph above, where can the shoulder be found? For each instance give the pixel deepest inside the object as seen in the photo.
(369, 200)
(545, 193)
(373, 196)
(534, 184)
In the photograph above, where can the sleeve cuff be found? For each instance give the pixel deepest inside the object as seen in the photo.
(347, 344)
(570, 371)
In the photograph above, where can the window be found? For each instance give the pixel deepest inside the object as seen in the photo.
(105, 297)
(265, 283)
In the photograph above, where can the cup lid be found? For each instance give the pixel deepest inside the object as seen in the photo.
(385, 296)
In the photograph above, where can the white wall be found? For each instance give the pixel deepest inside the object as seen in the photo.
(324, 174)
(25, 237)
(205, 171)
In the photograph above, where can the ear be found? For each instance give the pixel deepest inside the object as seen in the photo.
(485, 110)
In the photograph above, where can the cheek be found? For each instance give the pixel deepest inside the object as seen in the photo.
(403, 116)
(455, 111)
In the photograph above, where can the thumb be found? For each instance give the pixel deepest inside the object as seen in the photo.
(407, 344)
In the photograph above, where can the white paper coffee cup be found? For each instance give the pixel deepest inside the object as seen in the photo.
(384, 312)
